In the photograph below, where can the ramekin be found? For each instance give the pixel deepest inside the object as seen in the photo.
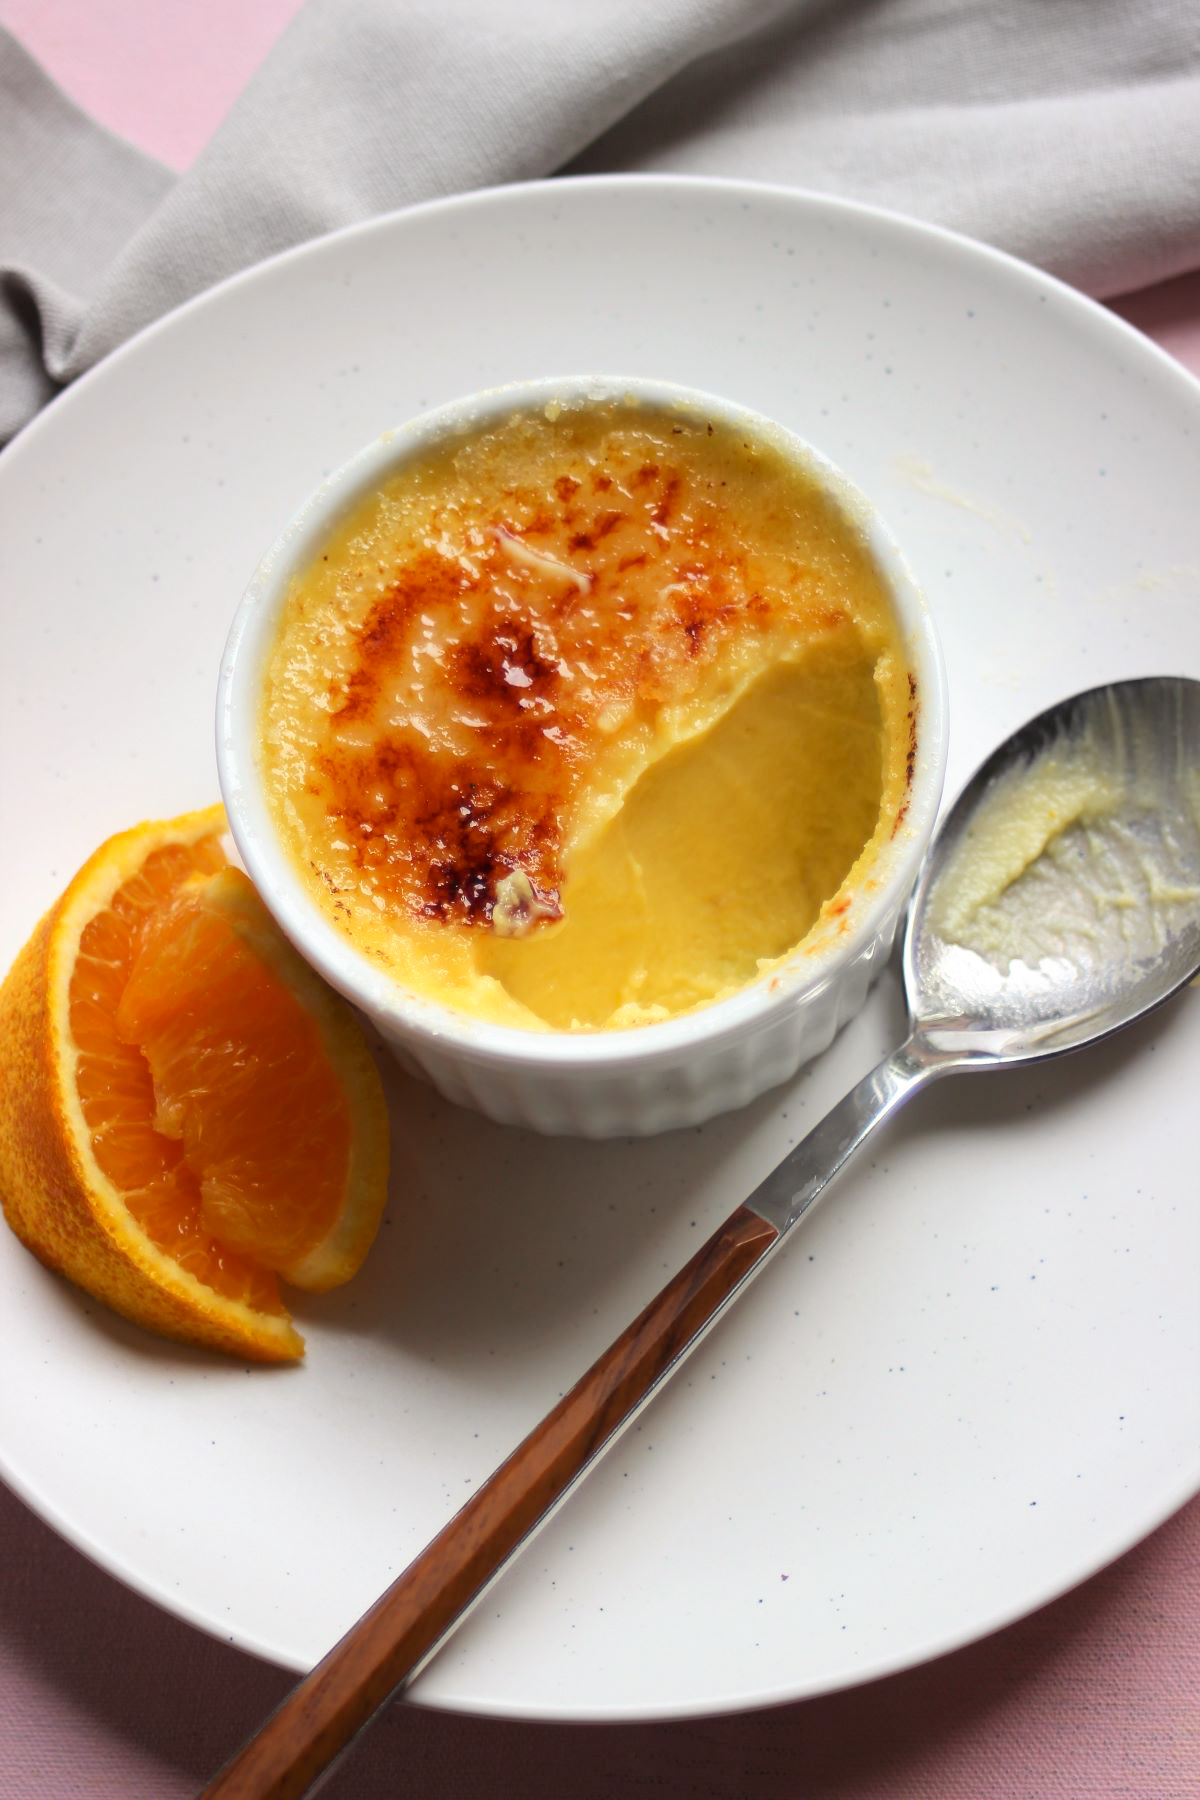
(602, 1083)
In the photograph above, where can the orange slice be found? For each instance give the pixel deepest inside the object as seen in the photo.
(187, 1110)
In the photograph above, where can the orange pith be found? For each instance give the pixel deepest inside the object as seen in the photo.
(116, 1089)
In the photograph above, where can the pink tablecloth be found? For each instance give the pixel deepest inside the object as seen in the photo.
(102, 1695)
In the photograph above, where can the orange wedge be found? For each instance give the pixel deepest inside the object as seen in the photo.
(187, 1111)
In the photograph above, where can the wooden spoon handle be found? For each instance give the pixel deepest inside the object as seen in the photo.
(423, 1605)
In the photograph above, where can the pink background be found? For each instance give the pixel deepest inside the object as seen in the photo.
(1094, 1698)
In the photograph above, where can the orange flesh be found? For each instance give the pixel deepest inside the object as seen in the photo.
(116, 1089)
(242, 1078)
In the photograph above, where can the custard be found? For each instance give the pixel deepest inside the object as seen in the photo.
(590, 716)
(1073, 859)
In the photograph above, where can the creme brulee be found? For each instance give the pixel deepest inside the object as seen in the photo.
(589, 716)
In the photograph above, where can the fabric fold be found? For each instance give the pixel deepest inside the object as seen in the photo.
(1065, 133)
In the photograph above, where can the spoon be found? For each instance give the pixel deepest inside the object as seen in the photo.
(1059, 902)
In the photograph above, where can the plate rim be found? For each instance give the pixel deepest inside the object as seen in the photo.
(1171, 1502)
(890, 218)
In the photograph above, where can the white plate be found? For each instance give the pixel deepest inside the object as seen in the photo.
(970, 1380)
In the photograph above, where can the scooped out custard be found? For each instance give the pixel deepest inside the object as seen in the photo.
(590, 717)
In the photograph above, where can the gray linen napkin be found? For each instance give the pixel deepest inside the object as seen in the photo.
(1067, 131)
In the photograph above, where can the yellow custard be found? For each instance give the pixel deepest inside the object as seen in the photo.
(589, 716)
(1073, 857)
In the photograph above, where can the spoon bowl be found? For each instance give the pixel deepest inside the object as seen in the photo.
(1094, 916)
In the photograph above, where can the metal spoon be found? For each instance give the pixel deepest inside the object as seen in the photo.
(1060, 901)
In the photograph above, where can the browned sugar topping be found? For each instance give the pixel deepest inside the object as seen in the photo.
(597, 576)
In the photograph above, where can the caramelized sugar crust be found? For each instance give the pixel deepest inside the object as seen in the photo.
(466, 667)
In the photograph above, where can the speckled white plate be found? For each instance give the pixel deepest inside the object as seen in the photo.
(969, 1381)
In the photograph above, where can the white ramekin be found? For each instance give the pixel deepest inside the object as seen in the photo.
(594, 1084)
